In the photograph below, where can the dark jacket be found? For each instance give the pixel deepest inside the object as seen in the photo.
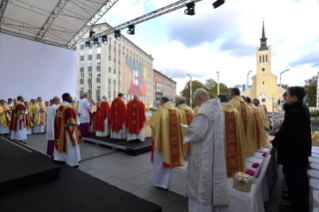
(293, 138)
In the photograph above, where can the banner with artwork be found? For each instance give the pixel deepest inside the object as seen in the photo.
(133, 79)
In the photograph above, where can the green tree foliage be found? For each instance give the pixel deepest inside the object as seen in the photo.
(311, 90)
(285, 86)
(210, 86)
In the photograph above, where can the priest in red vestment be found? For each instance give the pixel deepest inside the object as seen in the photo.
(102, 114)
(66, 134)
(17, 126)
(117, 118)
(135, 119)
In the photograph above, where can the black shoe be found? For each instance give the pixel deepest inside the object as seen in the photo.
(285, 205)
(285, 191)
(287, 208)
(23, 142)
(286, 197)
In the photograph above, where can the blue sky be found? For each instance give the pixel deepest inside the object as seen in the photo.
(225, 39)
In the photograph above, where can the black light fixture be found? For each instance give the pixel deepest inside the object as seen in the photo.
(190, 9)
(96, 42)
(87, 45)
(117, 35)
(104, 39)
(131, 30)
(218, 3)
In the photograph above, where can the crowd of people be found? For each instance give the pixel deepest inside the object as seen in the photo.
(215, 137)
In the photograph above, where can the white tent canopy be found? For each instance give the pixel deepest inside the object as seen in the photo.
(55, 22)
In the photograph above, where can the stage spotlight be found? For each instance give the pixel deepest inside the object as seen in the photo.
(190, 9)
(117, 35)
(96, 42)
(131, 30)
(104, 39)
(91, 33)
(87, 45)
(218, 3)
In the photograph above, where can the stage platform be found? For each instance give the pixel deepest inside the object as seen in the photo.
(134, 147)
(20, 166)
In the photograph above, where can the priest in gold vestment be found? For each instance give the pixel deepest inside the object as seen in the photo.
(38, 112)
(239, 104)
(258, 124)
(167, 145)
(234, 138)
(253, 122)
(260, 108)
(187, 118)
(4, 118)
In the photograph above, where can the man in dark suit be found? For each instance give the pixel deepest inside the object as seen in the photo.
(292, 143)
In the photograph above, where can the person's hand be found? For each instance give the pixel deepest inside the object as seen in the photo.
(274, 132)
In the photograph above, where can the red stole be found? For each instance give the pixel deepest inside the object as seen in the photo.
(135, 116)
(65, 115)
(118, 114)
(16, 110)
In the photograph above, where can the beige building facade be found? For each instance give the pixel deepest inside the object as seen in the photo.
(264, 86)
(118, 67)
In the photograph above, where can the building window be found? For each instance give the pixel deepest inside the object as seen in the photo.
(109, 57)
(109, 69)
(98, 51)
(82, 63)
(82, 52)
(98, 74)
(109, 95)
(263, 58)
(263, 100)
(90, 74)
(266, 58)
(114, 71)
(259, 58)
(263, 69)
(98, 62)
(109, 82)
(98, 86)
(263, 82)
(82, 75)
(90, 62)
(114, 82)
(81, 87)
(90, 86)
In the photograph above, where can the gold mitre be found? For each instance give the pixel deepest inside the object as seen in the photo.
(242, 181)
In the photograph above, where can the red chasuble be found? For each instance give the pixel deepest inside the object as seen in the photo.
(118, 114)
(102, 112)
(65, 115)
(16, 110)
(135, 116)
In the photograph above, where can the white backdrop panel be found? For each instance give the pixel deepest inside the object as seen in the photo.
(33, 69)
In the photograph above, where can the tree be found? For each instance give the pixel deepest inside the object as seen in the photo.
(186, 91)
(285, 86)
(311, 90)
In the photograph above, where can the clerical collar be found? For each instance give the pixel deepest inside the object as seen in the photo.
(65, 103)
(52, 104)
(19, 102)
(168, 103)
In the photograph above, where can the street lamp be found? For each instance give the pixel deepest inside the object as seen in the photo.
(280, 87)
(217, 82)
(248, 83)
(190, 90)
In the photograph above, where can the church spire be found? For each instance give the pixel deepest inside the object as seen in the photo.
(263, 40)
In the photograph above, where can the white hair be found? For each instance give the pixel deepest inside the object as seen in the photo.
(86, 94)
(135, 96)
(200, 92)
(181, 100)
(104, 97)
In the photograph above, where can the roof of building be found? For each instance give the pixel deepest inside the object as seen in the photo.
(127, 39)
(166, 77)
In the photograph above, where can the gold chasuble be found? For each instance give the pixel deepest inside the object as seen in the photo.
(16, 110)
(65, 115)
(265, 140)
(39, 115)
(195, 110)
(167, 135)
(254, 126)
(4, 115)
(239, 104)
(259, 126)
(187, 118)
(234, 141)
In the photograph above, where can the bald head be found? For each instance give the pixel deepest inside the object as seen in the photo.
(200, 96)
(56, 100)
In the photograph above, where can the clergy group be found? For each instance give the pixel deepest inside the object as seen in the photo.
(214, 137)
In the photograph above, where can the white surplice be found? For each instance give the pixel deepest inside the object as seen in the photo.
(140, 135)
(73, 156)
(106, 131)
(84, 108)
(206, 170)
(29, 132)
(51, 112)
(21, 133)
(120, 134)
(160, 176)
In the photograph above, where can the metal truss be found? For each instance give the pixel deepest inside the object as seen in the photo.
(46, 26)
(162, 11)
(3, 6)
(103, 10)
